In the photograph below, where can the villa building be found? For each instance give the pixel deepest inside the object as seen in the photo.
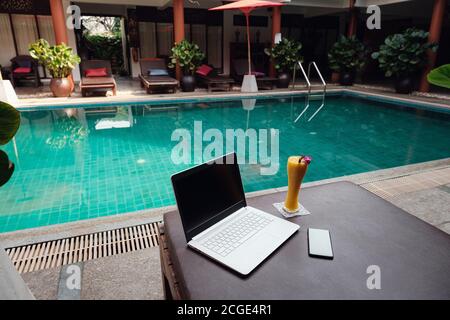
(322, 164)
(150, 27)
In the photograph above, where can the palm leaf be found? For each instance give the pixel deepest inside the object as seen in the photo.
(9, 122)
(6, 168)
(440, 76)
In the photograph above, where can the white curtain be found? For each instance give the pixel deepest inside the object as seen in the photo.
(215, 46)
(46, 29)
(199, 36)
(165, 38)
(25, 30)
(148, 39)
(7, 51)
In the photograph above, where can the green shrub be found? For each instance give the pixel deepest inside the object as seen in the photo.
(188, 55)
(58, 59)
(403, 54)
(347, 54)
(285, 54)
(106, 48)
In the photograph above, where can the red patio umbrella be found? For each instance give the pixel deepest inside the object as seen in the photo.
(246, 6)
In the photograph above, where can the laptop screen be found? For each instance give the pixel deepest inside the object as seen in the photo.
(208, 193)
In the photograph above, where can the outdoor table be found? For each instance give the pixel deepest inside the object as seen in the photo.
(367, 233)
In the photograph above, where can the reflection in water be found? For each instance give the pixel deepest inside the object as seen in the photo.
(249, 105)
(68, 129)
(122, 119)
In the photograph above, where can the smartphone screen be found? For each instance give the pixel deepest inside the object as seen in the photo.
(319, 243)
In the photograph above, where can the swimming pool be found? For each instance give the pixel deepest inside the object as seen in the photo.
(71, 165)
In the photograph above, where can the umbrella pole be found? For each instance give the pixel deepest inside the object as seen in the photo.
(248, 43)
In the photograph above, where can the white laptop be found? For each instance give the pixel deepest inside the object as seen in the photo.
(217, 221)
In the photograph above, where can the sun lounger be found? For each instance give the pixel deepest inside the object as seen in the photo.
(161, 81)
(24, 68)
(211, 80)
(96, 75)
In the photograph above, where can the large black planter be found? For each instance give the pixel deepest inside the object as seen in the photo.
(283, 80)
(188, 83)
(347, 78)
(404, 85)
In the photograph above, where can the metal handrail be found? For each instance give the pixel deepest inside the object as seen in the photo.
(308, 85)
(318, 72)
(321, 78)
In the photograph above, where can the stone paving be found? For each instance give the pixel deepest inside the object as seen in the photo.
(132, 276)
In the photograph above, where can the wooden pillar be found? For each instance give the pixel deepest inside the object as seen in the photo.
(59, 27)
(352, 23)
(276, 28)
(178, 27)
(437, 18)
(59, 21)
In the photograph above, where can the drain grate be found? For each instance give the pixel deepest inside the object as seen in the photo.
(44, 255)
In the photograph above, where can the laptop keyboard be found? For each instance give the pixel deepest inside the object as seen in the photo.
(236, 233)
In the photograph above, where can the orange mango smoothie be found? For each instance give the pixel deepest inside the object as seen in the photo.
(296, 169)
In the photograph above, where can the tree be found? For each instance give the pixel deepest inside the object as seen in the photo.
(109, 26)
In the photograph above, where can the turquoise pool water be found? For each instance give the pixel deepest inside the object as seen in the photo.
(67, 169)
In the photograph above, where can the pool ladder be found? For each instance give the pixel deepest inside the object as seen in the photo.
(310, 96)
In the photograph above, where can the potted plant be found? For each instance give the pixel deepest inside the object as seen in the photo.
(402, 55)
(346, 57)
(285, 55)
(189, 57)
(9, 124)
(60, 61)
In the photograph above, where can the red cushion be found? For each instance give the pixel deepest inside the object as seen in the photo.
(97, 72)
(22, 70)
(258, 74)
(204, 70)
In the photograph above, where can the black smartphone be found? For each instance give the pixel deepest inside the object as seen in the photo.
(319, 243)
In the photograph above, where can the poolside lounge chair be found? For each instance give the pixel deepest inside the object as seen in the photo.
(240, 68)
(96, 75)
(24, 67)
(211, 80)
(161, 81)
